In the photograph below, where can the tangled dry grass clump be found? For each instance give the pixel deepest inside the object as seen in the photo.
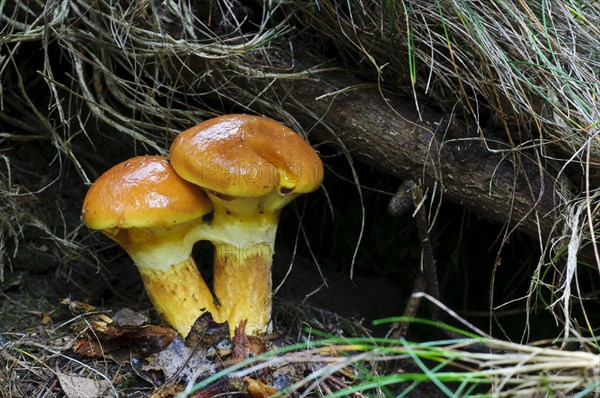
(533, 64)
(83, 82)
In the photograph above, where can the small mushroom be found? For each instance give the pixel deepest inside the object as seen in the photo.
(144, 206)
(250, 167)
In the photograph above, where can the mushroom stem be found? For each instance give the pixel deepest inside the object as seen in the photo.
(179, 287)
(247, 266)
(171, 278)
(244, 242)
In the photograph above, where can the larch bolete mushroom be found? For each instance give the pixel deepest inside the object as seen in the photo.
(144, 206)
(250, 167)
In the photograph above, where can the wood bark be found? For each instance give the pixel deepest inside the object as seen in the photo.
(428, 146)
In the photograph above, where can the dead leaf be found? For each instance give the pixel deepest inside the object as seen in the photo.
(258, 389)
(88, 348)
(256, 346)
(206, 332)
(127, 317)
(216, 389)
(108, 338)
(99, 326)
(240, 350)
(83, 387)
(152, 338)
(286, 375)
(178, 360)
(245, 346)
(78, 307)
(104, 318)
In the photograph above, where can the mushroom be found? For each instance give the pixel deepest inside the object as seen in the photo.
(250, 167)
(144, 206)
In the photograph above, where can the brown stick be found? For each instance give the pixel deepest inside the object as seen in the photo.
(428, 263)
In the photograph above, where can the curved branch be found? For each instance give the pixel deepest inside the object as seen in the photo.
(506, 187)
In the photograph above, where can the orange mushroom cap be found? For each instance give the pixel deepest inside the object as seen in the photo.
(246, 156)
(143, 191)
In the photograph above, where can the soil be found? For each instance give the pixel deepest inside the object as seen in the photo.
(44, 321)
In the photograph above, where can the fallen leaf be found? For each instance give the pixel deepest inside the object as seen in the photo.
(240, 350)
(256, 346)
(104, 318)
(111, 337)
(127, 317)
(258, 389)
(206, 332)
(245, 346)
(83, 387)
(223, 348)
(88, 348)
(152, 338)
(179, 360)
(78, 307)
(99, 326)
(216, 389)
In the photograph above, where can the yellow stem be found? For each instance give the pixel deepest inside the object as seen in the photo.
(242, 285)
(179, 294)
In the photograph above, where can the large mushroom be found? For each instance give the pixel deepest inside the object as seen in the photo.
(250, 167)
(144, 206)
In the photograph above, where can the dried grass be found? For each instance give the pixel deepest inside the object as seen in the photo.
(533, 64)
